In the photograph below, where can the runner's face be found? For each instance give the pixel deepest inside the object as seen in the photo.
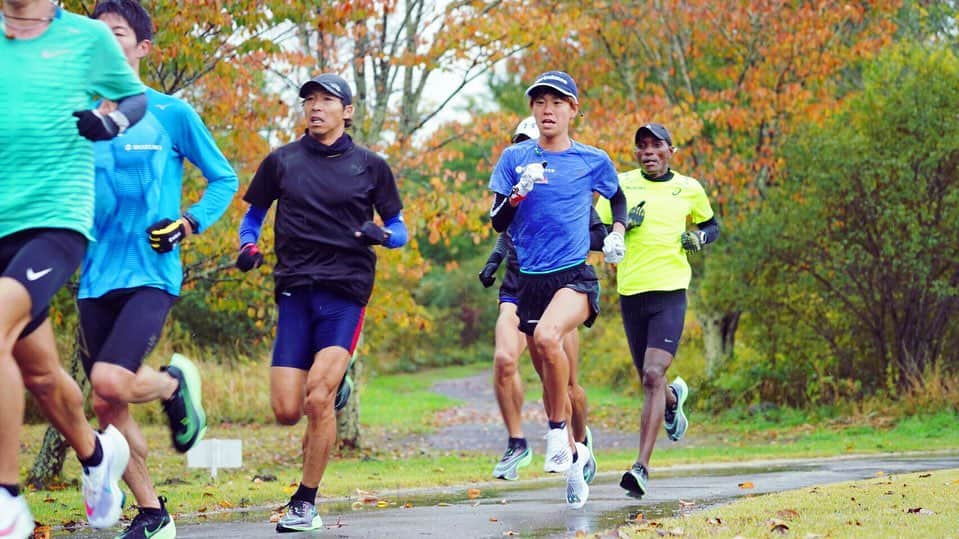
(553, 113)
(127, 38)
(325, 116)
(653, 155)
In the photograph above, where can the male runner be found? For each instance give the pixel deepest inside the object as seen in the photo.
(652, 281)
(132, 275)
(53, 63)
(326, 189)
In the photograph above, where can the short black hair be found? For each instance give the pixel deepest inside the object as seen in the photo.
(131, 10)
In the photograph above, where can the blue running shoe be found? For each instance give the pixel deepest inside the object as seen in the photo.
(589, 469)
(676, 423)
(513, 459)
(300, 517)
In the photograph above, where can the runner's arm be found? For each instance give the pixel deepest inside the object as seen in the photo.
(252, 224)
(710, 228)
(502, 212)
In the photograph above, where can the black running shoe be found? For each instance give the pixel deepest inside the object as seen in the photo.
(184, 409)
(151, 525)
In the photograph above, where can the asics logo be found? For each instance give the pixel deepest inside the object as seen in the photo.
(560, 457)
(162, 107)
(34, 275)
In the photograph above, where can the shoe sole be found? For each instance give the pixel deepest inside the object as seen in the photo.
(680, 414)
(592, 457)
(191, 376)
(632, 486)
(118, 465)
(522, 463)
(316, 526)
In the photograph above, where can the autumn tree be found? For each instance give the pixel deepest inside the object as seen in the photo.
(729, 80)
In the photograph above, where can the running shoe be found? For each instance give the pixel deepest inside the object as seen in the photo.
(577, 490)
(634, 481)
(558, 454)
(101, 484)
(16, 522)
(676, 423)
(513, 459)
(151, 525)
(184, 409)
(346, 387)
(300, 517)
(589, 469)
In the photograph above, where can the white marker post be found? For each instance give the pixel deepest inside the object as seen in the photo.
(215, 454)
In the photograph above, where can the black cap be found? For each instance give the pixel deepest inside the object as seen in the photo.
(656, 130)
(332, 84)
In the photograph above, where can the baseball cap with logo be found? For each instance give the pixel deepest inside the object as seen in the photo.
(526, 130)
(657, 130)
(332, 84)
(558, 81)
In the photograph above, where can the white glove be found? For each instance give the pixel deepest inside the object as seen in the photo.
(614, 247)
(532, 173)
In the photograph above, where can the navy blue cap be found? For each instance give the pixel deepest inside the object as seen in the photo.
(558, 81)
(657, 130)
(332, 84)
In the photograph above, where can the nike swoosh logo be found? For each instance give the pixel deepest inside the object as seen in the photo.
(34, 275)
(150, 533)
(52, 54)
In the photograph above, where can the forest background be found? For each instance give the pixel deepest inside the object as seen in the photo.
(825, 133)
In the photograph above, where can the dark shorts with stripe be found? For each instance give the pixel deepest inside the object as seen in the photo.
(536, 291)
(122, 326)
(653, 320)
(509, 290)
(311, 319)
(42, 260)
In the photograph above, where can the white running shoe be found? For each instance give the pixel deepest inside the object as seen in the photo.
(558, 454)
(577, 489)
(16, 522)
(101, 484)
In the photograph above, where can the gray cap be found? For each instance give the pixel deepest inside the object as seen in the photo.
(656, 130)
(332, 84)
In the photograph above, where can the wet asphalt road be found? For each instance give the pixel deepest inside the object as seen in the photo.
(538, 508)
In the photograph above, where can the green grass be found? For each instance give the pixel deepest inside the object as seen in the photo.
(910, 505)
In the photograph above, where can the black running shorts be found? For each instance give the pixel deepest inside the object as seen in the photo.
(121, 327)
(42, 260)
(536, 291)
(653, 320)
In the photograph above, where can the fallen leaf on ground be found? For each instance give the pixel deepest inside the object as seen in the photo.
(787, 514)
(407, 505)
(382, 503)
(442, 504)
(684, 504)
(356, 506)
(778, 526)
(225, 504)
(880, 473)
(714, 521)
(921, 511)
(509, 533)
(493, 519)
(747, 484)
(473, 493)
(41, 532)
(924, 475)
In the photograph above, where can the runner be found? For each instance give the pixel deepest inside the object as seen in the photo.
(652, 281)
(510, 343)
(132, 275)
(326, 188)
(54, 62)
(542, 192)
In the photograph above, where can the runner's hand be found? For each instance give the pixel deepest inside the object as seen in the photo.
(165, 234)
(372, 233)
(614, 247)
(532, 173)
(636, 215)
(693, 240)
(488, 275)
(249, 258)
(93, 125)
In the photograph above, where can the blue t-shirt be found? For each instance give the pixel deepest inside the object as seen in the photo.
(551, 227)
(138, 182)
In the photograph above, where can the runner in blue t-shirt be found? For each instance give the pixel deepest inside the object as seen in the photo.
(131, 274)
(543, 192)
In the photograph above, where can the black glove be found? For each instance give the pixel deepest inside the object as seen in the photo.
(636, 215)
(693, 240)
(249, 258)
(95, 126)
(372, 233)
(488, 275)
(165, 234)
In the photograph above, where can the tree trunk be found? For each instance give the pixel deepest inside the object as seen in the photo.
(49, 462)
(348, 419)
(719, 339)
